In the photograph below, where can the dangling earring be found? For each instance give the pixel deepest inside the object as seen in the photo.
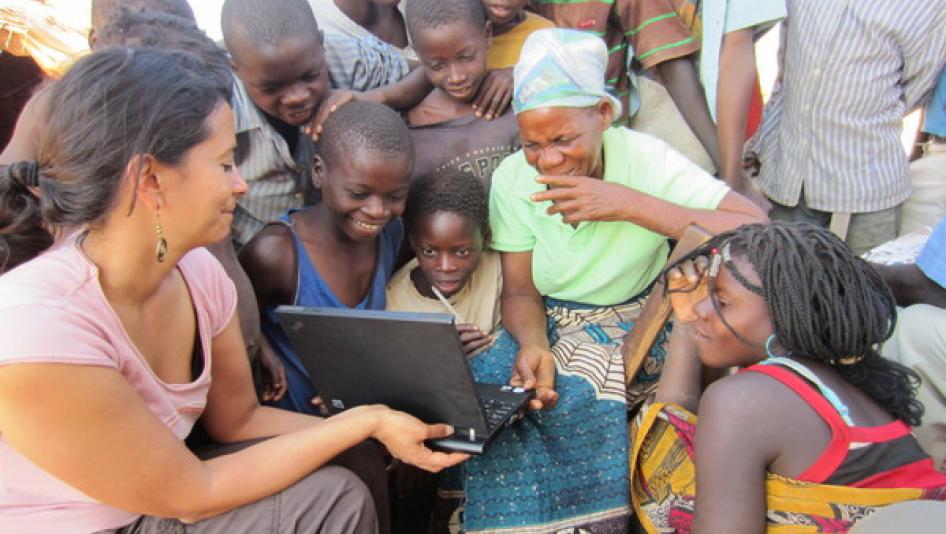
(161, 250)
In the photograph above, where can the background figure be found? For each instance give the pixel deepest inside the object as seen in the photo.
(829, 144)
(282, 77)
(104, 10)
(378, 23)
(286, 68)
(21, 76)
(730, 79)
(452, 39)
(919, 341)
(927, 201)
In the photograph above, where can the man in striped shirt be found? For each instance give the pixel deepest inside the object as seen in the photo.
(829, 144)
(655, 34)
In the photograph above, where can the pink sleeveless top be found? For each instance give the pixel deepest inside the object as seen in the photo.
(52, 310)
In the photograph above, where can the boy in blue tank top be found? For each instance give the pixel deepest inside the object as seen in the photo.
(341, 251)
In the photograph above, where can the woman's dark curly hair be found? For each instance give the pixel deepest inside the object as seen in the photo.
(824, 302)
(111, 106)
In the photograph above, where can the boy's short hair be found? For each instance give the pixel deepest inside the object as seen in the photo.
(431, 14)
(451, 191)
(357, 128)
(266, 23)
(150, 29)
(102, 10)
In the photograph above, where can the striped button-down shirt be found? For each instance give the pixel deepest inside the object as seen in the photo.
(274, 175)
(849, 72)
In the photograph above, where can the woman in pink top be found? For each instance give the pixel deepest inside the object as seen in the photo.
(115, 342)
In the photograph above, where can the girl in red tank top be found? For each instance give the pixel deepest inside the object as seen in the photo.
(814, 433)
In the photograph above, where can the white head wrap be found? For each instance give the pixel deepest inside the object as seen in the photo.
(561, 68)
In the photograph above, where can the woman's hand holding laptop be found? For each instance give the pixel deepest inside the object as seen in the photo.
(404, 436)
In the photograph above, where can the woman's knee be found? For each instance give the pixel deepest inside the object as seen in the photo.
(330, 500)
(368, 463)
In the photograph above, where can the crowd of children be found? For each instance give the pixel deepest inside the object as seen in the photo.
(525, 167)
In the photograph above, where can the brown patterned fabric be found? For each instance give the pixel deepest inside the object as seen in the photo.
(653, 28)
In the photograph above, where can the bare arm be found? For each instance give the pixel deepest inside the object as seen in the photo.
(733, 438)
(524, 318)
(910, 285)
(734, 93)
(589, 199)
(273, 376)
(130, 460)
(681, 374)
(403, 95)
(160, 476)
(683, 83)
(671, 219)
(523, 308)
(269, 261)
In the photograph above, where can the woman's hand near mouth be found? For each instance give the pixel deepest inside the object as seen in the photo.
(581, 198)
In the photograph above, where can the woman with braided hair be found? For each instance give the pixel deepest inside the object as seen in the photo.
(817, 419)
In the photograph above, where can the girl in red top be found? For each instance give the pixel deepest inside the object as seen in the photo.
(814, 431)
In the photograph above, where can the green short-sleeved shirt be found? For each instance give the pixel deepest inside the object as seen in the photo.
(599, 263)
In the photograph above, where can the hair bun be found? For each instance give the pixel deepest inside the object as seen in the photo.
(25, 173)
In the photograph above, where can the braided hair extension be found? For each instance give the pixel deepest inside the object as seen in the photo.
(825, 303)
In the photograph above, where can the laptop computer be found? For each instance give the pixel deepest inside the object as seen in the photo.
(412, 362)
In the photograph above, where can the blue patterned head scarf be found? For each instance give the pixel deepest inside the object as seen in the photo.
(561, 68)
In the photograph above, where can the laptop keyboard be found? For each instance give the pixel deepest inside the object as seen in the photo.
(496, 411)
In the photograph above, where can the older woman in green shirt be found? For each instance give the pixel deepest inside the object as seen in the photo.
(582, 216)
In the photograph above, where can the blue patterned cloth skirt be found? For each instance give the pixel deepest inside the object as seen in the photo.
(564, 469)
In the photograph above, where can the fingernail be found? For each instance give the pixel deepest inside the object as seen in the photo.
(450, 429)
